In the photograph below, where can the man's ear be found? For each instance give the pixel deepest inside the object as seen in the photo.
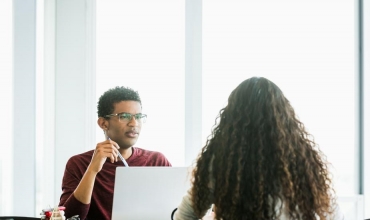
(103, 123)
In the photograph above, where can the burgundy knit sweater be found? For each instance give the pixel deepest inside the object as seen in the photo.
(102, 195)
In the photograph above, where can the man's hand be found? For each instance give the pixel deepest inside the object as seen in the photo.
(103, 150)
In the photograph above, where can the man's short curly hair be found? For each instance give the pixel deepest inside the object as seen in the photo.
(113, 96)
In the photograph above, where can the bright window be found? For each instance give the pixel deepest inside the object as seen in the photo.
(140, 44)
(307, 48)
(6, 91)
(307, 51)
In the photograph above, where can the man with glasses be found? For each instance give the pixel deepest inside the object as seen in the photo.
(88, 181)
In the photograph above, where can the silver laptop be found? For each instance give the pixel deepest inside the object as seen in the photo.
(148, 192)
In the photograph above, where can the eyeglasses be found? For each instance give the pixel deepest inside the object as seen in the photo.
(127, 117)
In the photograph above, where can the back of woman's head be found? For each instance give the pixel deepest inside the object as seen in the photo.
(261, 159)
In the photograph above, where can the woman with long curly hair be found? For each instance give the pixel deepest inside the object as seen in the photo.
(260, 163)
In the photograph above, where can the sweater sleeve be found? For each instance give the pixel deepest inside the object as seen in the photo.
(71, 179)
(185, 210)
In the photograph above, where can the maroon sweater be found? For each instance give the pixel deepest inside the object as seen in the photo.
(102, 195)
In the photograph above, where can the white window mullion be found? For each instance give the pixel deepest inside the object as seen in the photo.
(39, 132)
(193, 79)
(74, 81)
(366, 103)
(24, 109)
(90, 74)
(46, 183)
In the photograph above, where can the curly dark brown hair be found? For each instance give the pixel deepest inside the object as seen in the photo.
(260, 158)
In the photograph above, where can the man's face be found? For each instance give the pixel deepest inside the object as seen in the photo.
(125, 132)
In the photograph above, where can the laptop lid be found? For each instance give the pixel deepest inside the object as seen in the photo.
(148, 192)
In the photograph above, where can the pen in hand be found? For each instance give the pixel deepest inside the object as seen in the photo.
(120, 156)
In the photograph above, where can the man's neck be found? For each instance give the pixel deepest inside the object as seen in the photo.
(126, 153)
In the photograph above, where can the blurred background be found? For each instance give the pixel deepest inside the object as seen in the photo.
(184, 57)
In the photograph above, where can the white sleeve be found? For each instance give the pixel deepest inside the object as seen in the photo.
(185, 210)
